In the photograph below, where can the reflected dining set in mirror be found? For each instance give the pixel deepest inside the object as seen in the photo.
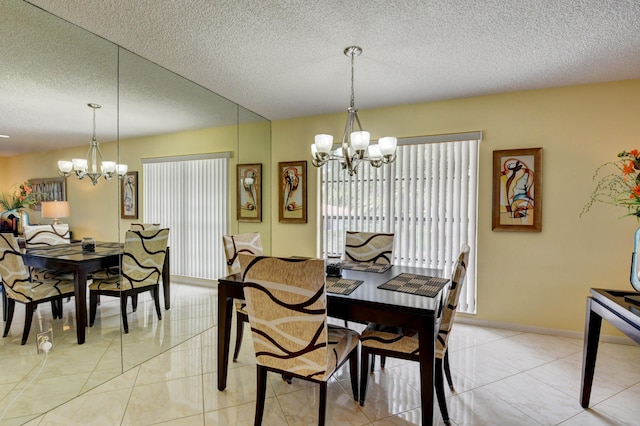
(402, 298)
(76, 265)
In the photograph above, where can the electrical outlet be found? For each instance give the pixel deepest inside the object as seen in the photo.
(45, 336)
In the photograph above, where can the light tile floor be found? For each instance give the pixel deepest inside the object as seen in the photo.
(501, 377)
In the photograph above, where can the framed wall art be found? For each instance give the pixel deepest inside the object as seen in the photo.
(129, 196)
(249, 208)
(292, 193)
(517, 190)
(48, 189)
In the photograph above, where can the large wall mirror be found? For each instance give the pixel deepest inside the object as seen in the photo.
(53, 69)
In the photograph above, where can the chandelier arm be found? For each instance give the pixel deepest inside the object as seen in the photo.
(348, 128)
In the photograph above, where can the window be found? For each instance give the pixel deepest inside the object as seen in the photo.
(427, 198)
(189, 196)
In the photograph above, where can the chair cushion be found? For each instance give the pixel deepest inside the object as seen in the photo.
(39, 274)
(341, 341)
(390, 338)
(110, 284)
(49, 288)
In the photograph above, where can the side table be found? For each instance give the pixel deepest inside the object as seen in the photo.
(619, 312)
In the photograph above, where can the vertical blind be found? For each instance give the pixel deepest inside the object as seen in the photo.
(427, 198)
(189, 196)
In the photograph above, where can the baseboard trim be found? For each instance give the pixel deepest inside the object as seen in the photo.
(194, 281)
(620, 340)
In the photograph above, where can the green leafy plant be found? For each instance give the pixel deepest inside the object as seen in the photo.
(620, 186)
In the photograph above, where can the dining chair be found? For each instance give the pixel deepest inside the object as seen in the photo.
(46, 236)
(142, 262)
(403, 343)
(20, 287)
(248, 243)
(287, 307)
(373, 247)
(113, 271)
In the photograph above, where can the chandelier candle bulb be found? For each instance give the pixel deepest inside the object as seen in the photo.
(388, 145)
(360, 140)
(65, 166)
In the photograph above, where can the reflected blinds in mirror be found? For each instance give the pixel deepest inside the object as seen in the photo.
(189, 196)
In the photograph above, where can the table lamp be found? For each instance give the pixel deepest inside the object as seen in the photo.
(55, 210)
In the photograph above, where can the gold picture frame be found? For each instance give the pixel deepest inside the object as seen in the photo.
(517, 190)
(292, 192)
(249, 186)
(129, 196)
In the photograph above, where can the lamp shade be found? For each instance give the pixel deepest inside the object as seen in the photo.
(55, 209)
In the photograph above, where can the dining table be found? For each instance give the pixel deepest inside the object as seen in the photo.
(72, 258)
(367, 303)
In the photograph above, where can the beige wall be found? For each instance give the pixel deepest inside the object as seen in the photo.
(533, 279)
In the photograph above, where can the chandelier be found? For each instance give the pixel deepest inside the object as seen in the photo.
(355, 144)
(88, 166)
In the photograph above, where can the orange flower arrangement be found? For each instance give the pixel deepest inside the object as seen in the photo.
(620, 188)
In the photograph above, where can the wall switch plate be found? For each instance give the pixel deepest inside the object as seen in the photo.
(45, 336)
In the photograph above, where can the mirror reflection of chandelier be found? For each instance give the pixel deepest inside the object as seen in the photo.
(355, 144)
(88, 166)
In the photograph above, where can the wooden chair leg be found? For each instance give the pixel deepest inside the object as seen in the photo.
(54, 308)
(322, 406)
(5, 304)
(353, 372)
(156, 299)
(93, 307)
(28, 318)
(134, 302)
(364, 376)
(123, 310)
(261, 395)
(240, 318)
(439, 384)
(447, 370)
(383, 361)
(60, 310)
(11, 306)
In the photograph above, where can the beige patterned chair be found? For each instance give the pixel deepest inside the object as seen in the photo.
(286, 302)
(144, 227)
(113, 271)
(398, 343)
(142, 263)
(249, 243)
(20, 288)
(373, 247)
(45, 236)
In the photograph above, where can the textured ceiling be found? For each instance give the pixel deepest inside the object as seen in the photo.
(283, 59)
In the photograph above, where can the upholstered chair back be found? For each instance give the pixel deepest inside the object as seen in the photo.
(249, 243)
(143, 257)
(46, 235)
(286, 302)
(144, 227)
(15, 276)
(451, 304)
(374, 247)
